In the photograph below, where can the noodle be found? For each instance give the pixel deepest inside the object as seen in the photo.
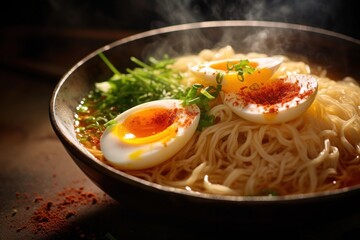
(318, 151)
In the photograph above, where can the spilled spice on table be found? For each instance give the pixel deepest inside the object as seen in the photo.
(56, 213)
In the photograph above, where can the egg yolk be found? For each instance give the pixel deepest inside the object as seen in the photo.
(148, 126)
(225, 65)
(231, 81)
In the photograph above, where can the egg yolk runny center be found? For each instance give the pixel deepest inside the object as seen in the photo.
(231, 81)
(224, 66)
(148, 126)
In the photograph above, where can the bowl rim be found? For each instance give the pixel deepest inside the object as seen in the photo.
(80, 153)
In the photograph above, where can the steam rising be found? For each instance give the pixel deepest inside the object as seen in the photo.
(307, 12)
(151, 14)
(320, 13)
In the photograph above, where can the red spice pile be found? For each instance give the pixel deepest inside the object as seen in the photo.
(277, 92)
(54, 214)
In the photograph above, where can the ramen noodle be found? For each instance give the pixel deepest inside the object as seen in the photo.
(318, 151)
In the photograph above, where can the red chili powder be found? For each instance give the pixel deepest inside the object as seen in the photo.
(275, 92)
(52, 214)
(55, 213)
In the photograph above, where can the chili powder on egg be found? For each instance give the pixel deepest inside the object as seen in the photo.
(278, 91)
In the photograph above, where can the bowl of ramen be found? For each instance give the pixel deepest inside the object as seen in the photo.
(246, 120)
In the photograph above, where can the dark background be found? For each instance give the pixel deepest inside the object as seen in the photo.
(38, 36)
(336, 15)
(47, 37)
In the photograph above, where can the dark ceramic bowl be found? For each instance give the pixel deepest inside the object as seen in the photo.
(338, 53)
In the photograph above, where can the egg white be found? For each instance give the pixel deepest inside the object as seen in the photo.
(129, 156)
(286, 111)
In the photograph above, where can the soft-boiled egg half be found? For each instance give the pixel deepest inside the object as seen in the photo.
(207, 73)
(148, 134)
(259, 97)
(279, 101)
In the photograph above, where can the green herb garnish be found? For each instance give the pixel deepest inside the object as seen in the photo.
(201, 96)
(241, 68)
(146, 82)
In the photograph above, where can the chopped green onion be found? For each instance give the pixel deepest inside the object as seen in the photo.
(111, 122)
(201, 96)
(207, 94)
(241, 68)
(109, 64)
